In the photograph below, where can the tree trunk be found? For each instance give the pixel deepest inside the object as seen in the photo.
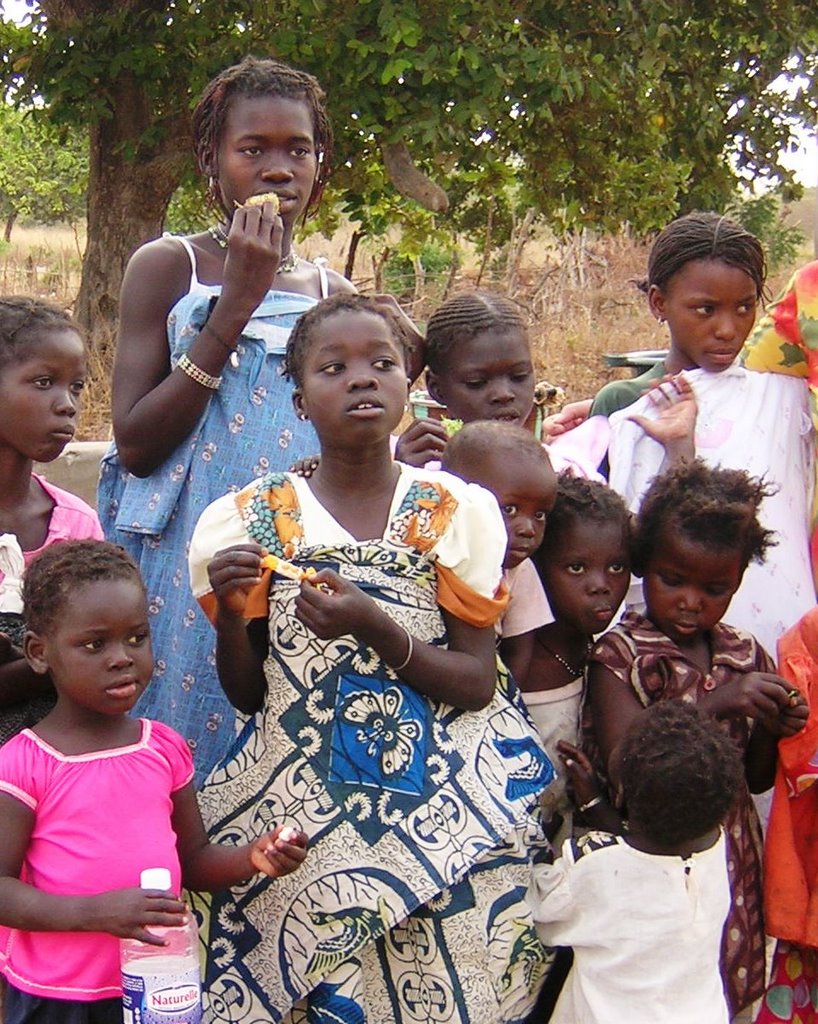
(354, 242)
(127, 200)
(12, 217)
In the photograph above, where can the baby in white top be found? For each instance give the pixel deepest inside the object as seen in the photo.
(644, 911)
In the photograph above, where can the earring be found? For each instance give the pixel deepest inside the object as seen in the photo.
(303, 416)
(660, 319)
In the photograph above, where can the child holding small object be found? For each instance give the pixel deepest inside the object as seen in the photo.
(479, 367)
(378, 722)
(42, 376)
(71, 852)
(644, 911)
(697, 530)
(511, 463)
(584, 564)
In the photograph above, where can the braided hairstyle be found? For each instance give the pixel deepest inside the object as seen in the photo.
(23, 321)
(303, 334)
(55, 575)
(259, 77)
(704, 236)
(680, 773)
(464, 316)
(717, 508)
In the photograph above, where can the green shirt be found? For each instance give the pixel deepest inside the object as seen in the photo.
(619, 394)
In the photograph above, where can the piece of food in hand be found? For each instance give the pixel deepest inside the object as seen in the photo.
(285, 568)
(288, 835)
(260, 200)
(451, 426)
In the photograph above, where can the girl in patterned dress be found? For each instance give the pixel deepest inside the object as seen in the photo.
(376, 719)
(696, 532)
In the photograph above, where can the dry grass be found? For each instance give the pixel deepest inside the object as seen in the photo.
(579, 299)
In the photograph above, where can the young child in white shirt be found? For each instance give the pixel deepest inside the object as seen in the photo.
(644, 911)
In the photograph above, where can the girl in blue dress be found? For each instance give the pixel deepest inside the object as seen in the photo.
(199, 403)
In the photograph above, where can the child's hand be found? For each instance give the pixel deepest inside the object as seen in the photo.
(763, 696)
(421, 442)
(569, 416)
(582, 783)
(306, 467)
(675, 424)
(331, 606)
(279, 852)
(128, 913)
(233, 573)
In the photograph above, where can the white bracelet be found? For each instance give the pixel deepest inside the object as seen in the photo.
(593, 802)
(409, 653)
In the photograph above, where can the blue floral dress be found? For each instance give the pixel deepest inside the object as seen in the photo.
(248, 428)
(423, 819)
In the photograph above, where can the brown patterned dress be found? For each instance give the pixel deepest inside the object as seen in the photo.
(656, 669)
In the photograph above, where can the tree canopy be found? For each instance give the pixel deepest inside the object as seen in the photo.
(598, 113)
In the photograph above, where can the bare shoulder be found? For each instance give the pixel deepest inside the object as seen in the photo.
(159, 272)
(338, 283)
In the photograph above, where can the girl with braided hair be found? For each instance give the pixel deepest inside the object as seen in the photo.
(199, 403)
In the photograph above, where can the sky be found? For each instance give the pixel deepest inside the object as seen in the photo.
(804, 161)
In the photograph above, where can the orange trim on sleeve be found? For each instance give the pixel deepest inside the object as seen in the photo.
(466, 604)
(258, 600)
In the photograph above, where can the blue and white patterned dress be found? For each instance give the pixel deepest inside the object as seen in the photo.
(423, 819)
(248, 428)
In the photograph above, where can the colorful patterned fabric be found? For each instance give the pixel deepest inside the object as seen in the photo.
(640, 655)
(785, 340)
(422, 818)
(248, 428)
(790, 851)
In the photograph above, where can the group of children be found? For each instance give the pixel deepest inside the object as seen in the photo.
(357, 610)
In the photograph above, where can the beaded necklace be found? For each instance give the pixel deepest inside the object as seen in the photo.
(287, 265)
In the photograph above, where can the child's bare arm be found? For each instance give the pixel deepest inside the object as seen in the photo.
(233, 573)
(516, 652)
(208, 867)
(464, 675)
(121, 912)
(614, 705)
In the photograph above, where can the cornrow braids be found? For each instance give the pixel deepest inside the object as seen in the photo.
(579, 501)
(259, 77)
(717, 508)
(54, 576)
(303, 334)
(704, 236)
(462, 317)
(680, 773)
(23, 320)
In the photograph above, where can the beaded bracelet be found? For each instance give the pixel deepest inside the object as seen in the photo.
(196, 373)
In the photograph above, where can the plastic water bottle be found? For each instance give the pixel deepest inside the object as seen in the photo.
(161, 984)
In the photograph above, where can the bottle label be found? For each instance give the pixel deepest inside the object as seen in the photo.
(157, 992)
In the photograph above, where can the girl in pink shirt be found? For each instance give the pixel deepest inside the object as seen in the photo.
(42, 374)
(90, 796)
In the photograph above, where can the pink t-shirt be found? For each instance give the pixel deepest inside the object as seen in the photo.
(99, 820)
(71, 519)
